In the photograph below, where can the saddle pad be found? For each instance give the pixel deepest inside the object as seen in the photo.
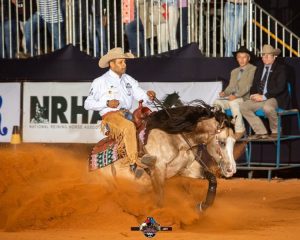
(104, 153)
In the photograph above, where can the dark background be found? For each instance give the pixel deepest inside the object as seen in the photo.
(286, 11)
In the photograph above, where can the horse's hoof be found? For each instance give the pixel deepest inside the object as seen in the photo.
(201, 207)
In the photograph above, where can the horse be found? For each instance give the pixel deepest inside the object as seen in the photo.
(181, 139)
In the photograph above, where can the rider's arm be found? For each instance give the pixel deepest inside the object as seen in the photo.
(138, 92)
(96, 100)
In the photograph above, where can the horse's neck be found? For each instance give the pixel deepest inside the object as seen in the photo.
(193, 139)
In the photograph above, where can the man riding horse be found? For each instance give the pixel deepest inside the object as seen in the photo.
(112, 94)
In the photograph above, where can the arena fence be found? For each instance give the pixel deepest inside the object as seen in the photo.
(144, 27)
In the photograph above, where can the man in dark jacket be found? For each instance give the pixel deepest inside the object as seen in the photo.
(269, 91)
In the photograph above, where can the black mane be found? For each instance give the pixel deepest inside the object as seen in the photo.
(185, 118)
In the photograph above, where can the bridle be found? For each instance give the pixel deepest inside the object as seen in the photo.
(212, 137)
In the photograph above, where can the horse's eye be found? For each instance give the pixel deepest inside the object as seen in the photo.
(222, 143)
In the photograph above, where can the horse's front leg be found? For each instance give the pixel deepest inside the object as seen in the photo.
(195, 170)
(211, 191)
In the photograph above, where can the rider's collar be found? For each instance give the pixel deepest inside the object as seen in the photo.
(115, 75)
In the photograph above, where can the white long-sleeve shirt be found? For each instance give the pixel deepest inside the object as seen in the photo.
(110, 86)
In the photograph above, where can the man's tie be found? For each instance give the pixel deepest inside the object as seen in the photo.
(240, 74)
(263, 80)
(236, 89)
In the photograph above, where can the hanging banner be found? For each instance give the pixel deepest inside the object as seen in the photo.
(187, 91)
(54, 112)
(9, 109)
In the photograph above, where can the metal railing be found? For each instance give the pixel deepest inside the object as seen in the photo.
(271, 31)
(144, 27)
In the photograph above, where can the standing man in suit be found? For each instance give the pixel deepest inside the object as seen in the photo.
(237, 91)
(269, 91)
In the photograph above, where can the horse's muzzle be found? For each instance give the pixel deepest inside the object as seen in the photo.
(227, 170)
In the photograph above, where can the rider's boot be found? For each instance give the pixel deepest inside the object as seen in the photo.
(136, 170)
(145, 164)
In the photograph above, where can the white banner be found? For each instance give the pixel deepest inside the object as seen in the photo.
(9, 109)
(54, 112)
(188, 91)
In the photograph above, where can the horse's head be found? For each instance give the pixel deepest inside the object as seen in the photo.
(204, 125)
(218, 136)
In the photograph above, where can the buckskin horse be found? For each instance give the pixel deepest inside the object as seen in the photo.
(187, 141)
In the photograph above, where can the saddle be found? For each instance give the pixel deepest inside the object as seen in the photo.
(140, 116)
(107, 150)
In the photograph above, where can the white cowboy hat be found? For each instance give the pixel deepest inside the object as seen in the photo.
(115, 53)
(268, 49)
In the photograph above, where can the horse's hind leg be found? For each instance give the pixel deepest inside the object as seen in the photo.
(158, 181)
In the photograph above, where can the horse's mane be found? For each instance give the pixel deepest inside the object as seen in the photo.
(185, 118)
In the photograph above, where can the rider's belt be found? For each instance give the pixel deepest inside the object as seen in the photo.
(122, 110)
(106, 114)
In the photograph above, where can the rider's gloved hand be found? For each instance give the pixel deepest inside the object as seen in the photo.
(151, 94)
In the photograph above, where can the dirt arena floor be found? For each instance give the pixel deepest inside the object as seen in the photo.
(47, 193)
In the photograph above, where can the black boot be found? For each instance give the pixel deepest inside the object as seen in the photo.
(137, 171)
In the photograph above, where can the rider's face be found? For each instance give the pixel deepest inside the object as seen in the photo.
(118, 66)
